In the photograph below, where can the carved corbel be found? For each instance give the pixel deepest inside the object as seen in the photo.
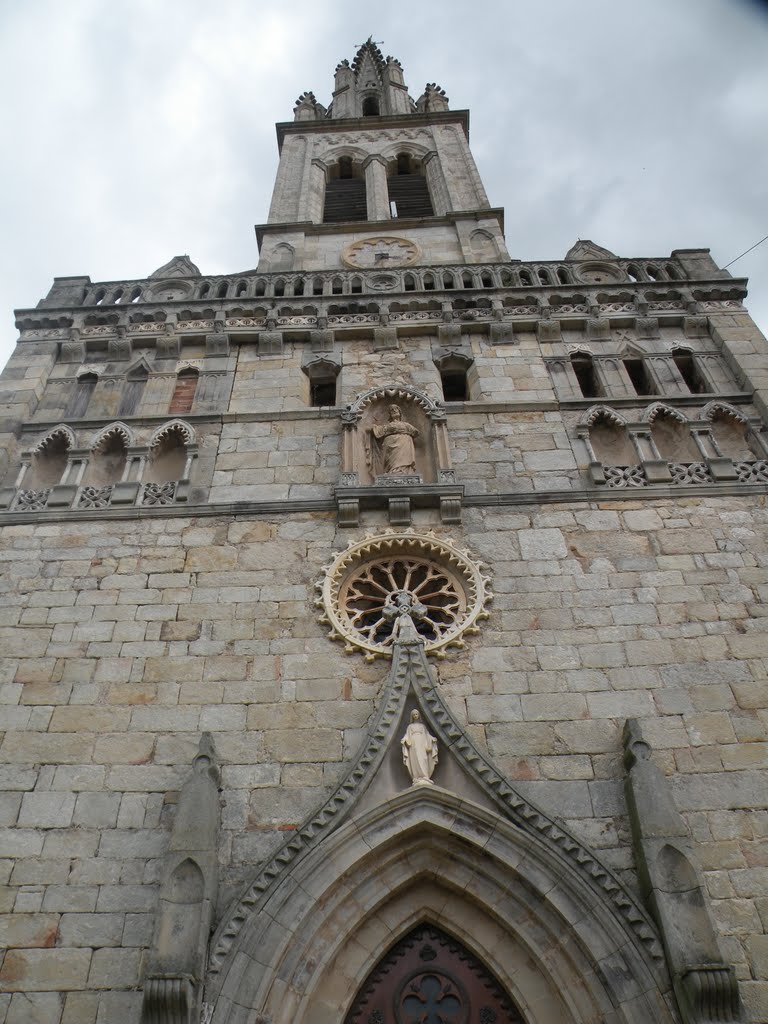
(169, 346)
(548, 330)
(449, 335)
(120, 347)
(705, 986)
(173, 983)
(217, 344)
(502, 333)
(73, 350)
(647, 326)
(321, 340)
(384, 339)
(696, 326)
(598, 329)
(270, 343)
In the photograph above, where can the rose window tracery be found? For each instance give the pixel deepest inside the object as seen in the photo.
(400, 584)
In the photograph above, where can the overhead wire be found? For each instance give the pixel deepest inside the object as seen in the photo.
(745, 252)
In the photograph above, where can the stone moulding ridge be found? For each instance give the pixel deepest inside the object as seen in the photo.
(410, 673)
(297, 506)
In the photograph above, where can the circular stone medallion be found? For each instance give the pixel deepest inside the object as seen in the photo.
(381, 253)
(599, 273)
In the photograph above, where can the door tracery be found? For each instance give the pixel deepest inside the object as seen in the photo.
(430, 978)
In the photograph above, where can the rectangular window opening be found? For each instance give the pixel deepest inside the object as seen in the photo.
(585, 375)
(454, 386)
(639, 376)
(322, 392)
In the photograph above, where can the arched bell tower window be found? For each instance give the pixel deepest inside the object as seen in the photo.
(407, 187)
(371, 106)
(455, 370)
(345, 195)
(638, 375)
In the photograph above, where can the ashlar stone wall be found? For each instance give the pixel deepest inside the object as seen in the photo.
(126, 639)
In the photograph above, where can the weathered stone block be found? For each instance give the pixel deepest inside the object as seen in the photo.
(28, 930)
(542, 544)
(47, 810)
(115, 968)
(44, 970)
(35, 1008)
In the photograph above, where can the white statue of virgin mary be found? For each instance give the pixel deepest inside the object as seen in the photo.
(419, 751)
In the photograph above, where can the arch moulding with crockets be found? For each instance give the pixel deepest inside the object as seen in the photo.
(468, 855)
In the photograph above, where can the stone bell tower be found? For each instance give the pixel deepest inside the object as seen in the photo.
(384, 629)
(377, 180)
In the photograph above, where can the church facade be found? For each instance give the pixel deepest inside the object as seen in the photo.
(384, 628)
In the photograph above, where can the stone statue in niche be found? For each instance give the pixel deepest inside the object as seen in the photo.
(395, 443)
(419, 751)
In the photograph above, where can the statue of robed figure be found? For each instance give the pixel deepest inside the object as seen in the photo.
(395, 443)
(419, 751)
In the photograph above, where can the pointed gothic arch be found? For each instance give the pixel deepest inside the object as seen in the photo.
(431, 857)
(729, 431)
(720, 408)
(468, 855)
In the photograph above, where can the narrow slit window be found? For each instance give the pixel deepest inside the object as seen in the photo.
(184, 392)
(638, 374)
(81, 397)
(689, 371)
(585, 375)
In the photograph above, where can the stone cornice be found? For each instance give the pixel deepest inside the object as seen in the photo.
(298, 506)
(385, 122)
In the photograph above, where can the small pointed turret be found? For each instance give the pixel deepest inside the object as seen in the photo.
(370, 86)
(433, 98)
(308, 109)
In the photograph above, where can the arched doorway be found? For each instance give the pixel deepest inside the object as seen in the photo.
(428, 977)
(553, 929)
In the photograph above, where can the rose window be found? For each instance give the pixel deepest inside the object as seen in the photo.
(405, 586)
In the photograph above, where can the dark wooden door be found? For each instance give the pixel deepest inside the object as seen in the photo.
(430, 978)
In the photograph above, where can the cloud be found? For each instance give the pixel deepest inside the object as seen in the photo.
(139, 130)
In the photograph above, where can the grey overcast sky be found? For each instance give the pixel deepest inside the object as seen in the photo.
(134, 130)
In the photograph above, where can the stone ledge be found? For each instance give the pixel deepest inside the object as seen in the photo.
(297, 506)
